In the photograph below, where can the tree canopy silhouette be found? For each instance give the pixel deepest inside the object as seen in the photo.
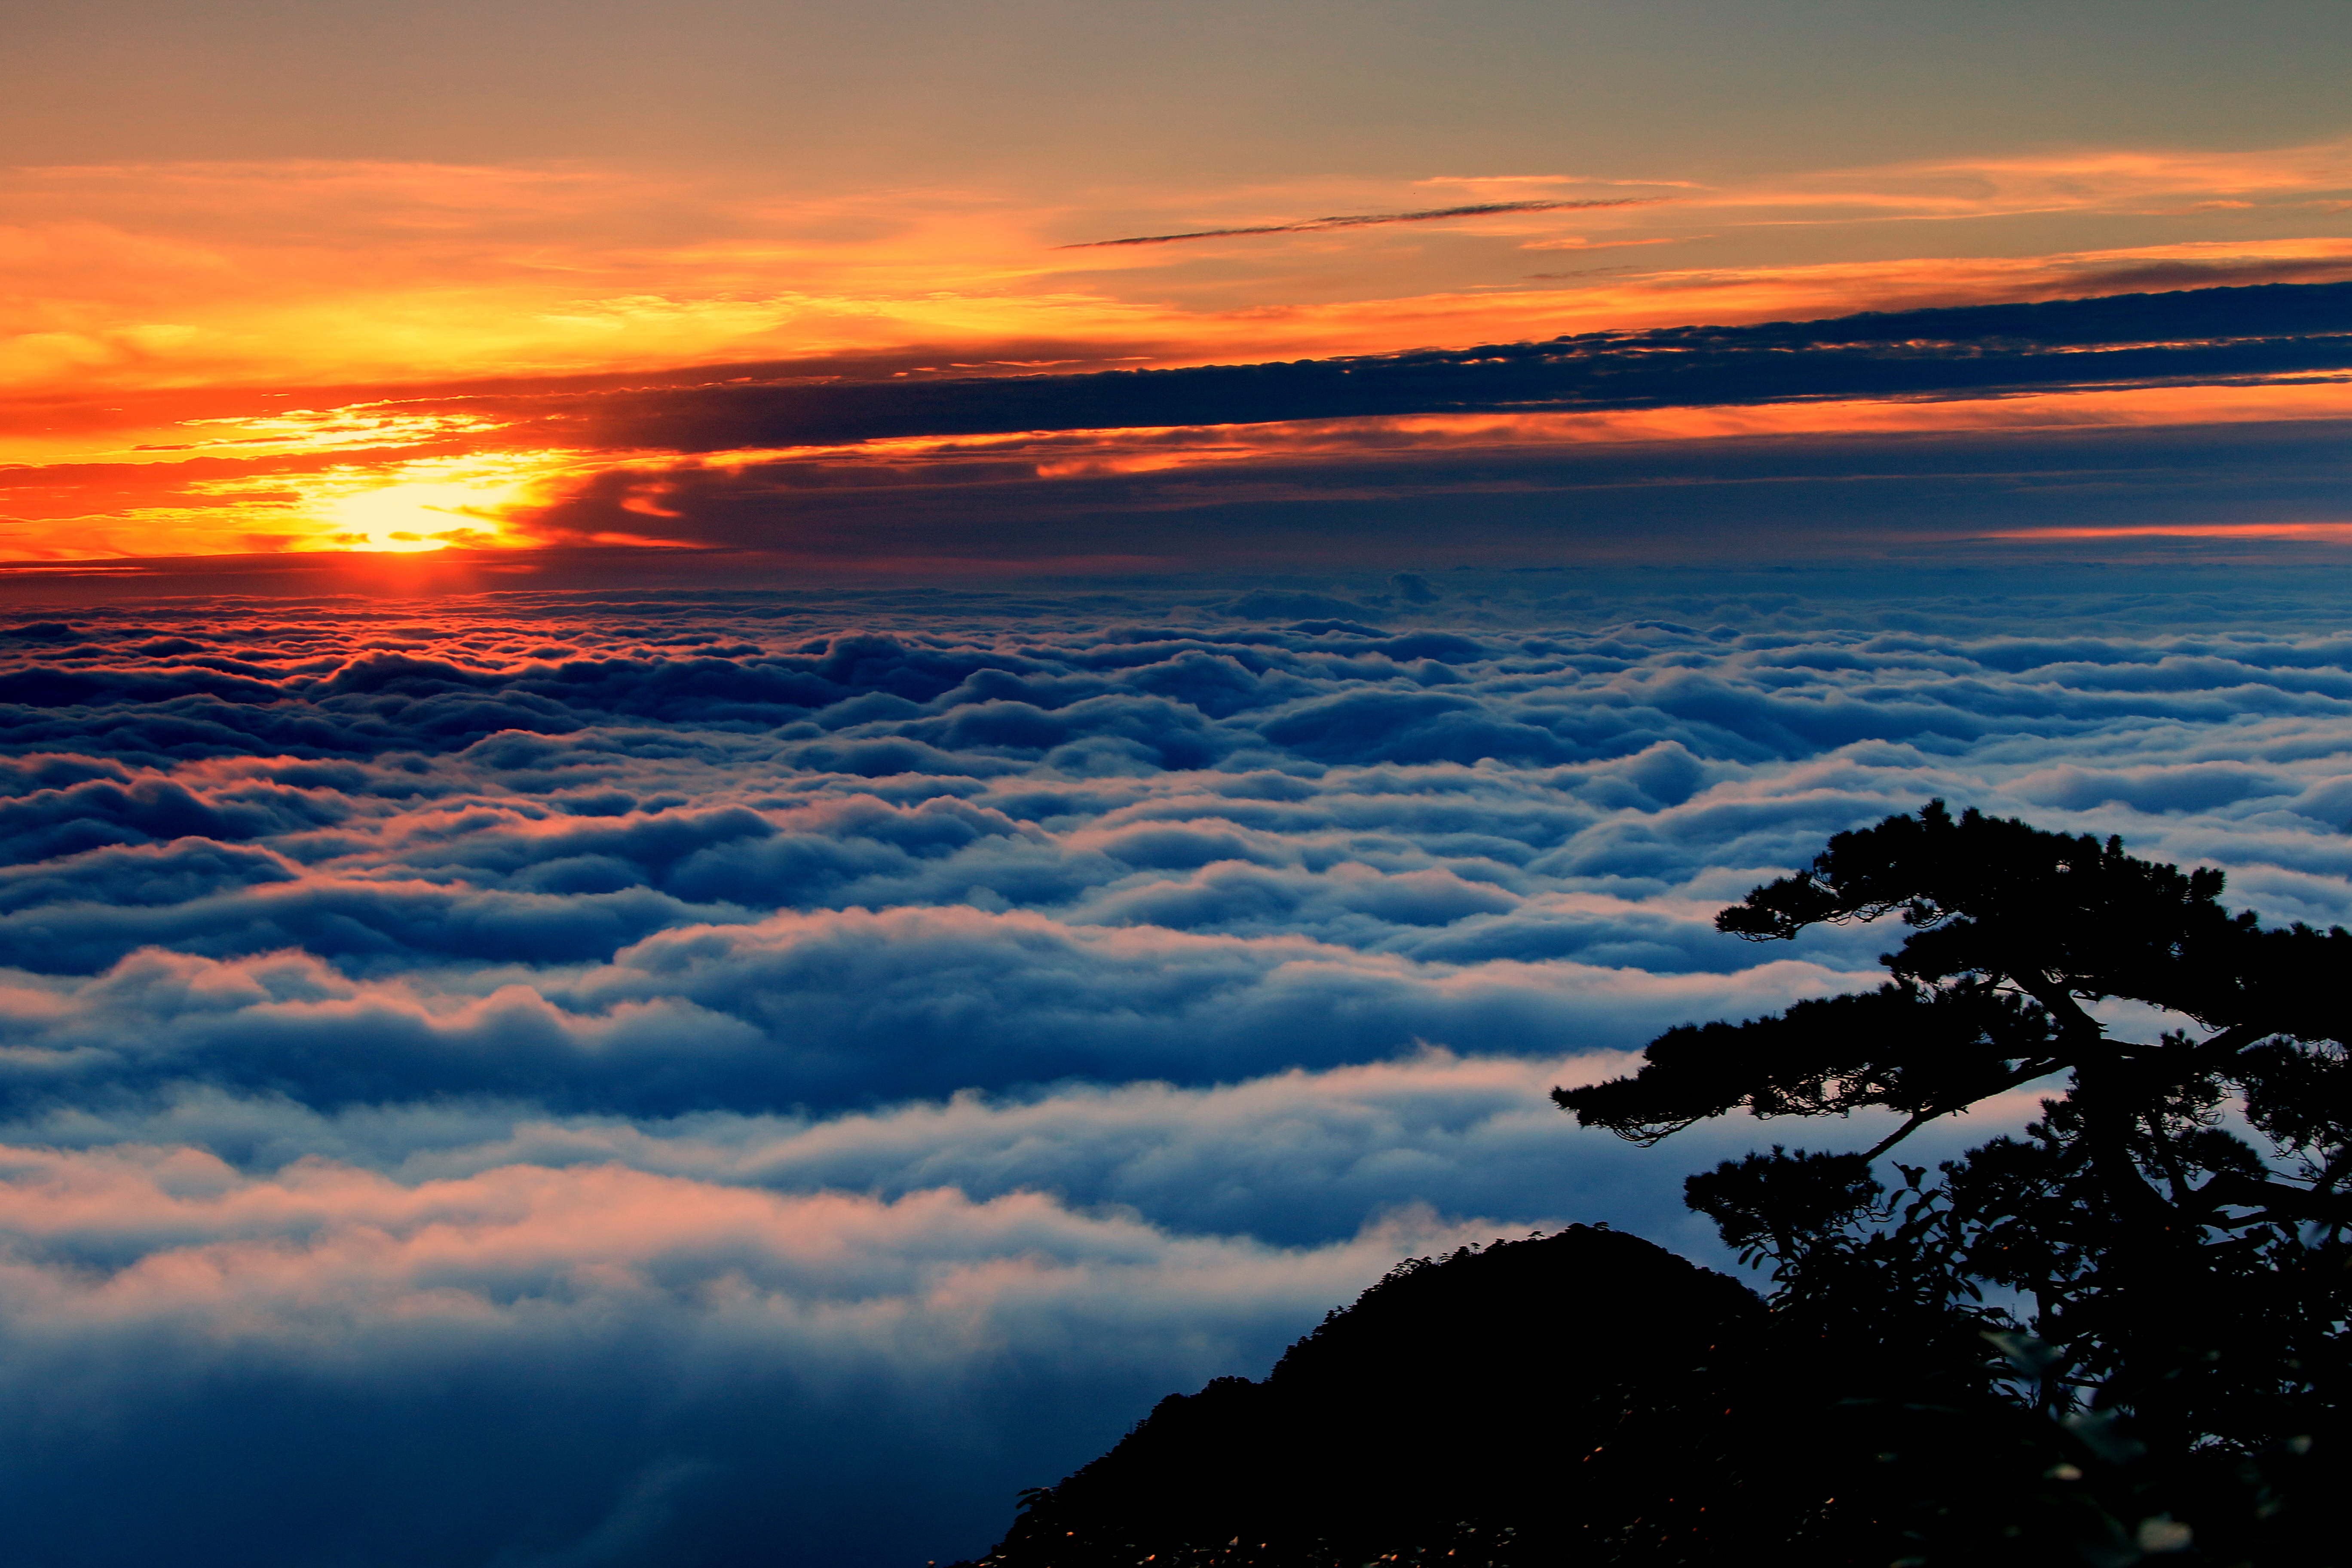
(2162, 1258)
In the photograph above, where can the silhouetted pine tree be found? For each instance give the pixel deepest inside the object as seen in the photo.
(2120, 1337)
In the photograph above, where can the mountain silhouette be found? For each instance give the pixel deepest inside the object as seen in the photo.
(1515, 1397)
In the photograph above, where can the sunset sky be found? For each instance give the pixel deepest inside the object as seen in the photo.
(756, 759)
(309, 278)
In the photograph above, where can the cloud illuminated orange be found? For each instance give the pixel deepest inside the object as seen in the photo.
(224, 358)
(2320, 532)
(319, 273)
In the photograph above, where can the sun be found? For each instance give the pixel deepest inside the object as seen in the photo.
(473, 502)
(409, 518)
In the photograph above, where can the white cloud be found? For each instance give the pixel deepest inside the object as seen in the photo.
(634, 1072)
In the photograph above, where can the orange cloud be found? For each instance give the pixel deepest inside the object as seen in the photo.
(300, 494)
(224, 358)
(324, 273)
(2320, 532)
(208, 275)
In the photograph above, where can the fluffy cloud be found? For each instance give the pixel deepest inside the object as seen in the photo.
(764, 1325)
(662, 1074)
(587, 1365)
(826, 1009)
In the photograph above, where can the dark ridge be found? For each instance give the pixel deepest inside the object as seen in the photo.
(1490, 1392)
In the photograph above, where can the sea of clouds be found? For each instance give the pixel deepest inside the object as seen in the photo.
(602, 1080)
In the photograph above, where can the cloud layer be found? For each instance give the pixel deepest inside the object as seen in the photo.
(663, 1075)
(2198, 335)
(1883, 433)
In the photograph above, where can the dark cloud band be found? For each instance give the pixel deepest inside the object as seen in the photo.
(2200, 335)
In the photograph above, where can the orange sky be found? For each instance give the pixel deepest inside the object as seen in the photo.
(213, 358)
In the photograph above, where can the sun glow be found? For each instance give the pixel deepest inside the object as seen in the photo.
(178, 378)
(410, 518)
(472, 503)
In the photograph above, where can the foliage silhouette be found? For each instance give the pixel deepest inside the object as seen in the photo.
(2139, 1266)
(2120, 1337)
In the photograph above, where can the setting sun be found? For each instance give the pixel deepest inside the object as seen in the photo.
(431, 504)
(411, 517)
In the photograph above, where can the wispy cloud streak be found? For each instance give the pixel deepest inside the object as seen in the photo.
(1362, 220)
